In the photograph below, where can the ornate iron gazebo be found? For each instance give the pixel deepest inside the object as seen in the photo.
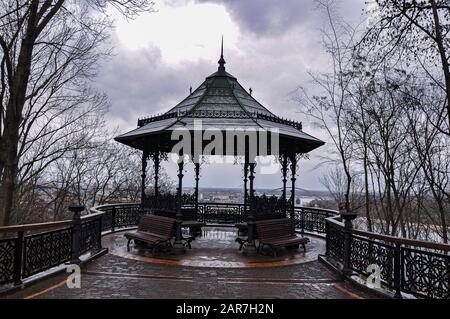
(221, 105)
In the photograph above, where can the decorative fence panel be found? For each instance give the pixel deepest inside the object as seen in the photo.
(221, 213)
(91, 234)
(46, 250)
(335, 242)
(365, 252)
(312, 219)
(119, 215)
(7, 250)
(425, 273)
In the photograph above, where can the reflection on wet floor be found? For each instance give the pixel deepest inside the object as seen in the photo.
(216, 247)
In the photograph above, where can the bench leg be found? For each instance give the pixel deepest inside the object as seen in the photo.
(242, 244)
(128, 244)
(188, 243)
(155, 247)
(304, 247)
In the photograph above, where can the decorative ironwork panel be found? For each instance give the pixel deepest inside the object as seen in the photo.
(269, 205)
(335, 242)
(91, 237)
(425, 274)
(222, 213)
(127, 216)
(142, 122)
(46, 250)
(311, 219)
(107, 218)
(168, 201)
(7, 247)
(365, 252)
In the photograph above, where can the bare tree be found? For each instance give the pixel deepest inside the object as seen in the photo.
(420, 30)
(328, 107)
(383, 111)
(49, 50)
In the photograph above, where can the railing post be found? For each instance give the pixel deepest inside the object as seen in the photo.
(100, 229)
(250, 248)
(327, 238)
(18, 258)
(302, 221)
(178, 247)
(76, 232)
(204, 213)
(113, 219)
(397, 271)
(348, 226)
(347, 251)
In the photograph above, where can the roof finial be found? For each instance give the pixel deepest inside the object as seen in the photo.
(222, 60)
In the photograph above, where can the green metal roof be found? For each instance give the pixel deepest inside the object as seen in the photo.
(220, 102)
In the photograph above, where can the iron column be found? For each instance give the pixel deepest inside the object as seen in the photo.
(178, 247)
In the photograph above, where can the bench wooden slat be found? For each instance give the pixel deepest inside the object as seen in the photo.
(278, 233)
(152, 230)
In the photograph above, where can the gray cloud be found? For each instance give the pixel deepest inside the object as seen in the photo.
(279, 43)
(275, 17)
(268, 17)
(138, 83)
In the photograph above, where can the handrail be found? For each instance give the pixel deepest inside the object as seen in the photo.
(96, 208)
(393, 239)
(334, 212)
(91, 215)
(36, 226)
(334, 220)
(402, 241)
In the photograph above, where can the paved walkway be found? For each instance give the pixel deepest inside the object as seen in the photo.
(118, 276)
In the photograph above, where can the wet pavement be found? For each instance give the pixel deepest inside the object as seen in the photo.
(213, 268)
(216, 247)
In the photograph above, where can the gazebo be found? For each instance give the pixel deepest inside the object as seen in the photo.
(223, 119)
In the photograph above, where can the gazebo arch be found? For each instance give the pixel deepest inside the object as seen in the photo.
(220, 104)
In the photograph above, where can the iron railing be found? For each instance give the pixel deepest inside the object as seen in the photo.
(118, 216)
(30, 249)
(407, 266)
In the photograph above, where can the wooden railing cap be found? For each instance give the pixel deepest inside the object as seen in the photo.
(36, 226)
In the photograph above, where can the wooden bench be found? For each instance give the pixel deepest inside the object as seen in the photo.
(152, 230)
(243, 227)
(277, 233)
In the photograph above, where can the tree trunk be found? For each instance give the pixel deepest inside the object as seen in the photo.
(366, 186)
(442, 53)
(13, 118)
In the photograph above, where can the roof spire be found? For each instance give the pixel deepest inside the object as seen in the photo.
(222, 60)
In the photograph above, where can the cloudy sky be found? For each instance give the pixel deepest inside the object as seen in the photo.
(269, 45)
